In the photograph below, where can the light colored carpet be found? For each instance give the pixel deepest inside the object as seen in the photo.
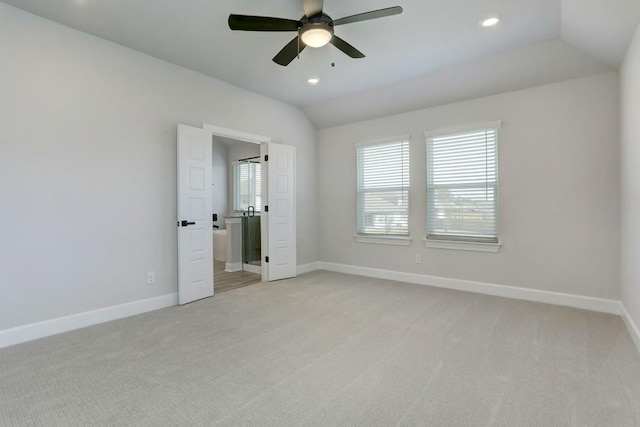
(328, 349)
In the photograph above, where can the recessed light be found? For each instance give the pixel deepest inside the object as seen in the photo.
(490, 21)
(313, 81)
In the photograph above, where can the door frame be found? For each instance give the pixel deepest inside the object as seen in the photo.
(263, 141)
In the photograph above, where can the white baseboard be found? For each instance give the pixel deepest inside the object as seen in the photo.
(528, 294)
(252, 268)
(307, 268)
(46, 328)
(634, 331)
(232, 267)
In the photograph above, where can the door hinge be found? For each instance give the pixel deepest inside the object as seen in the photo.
(266, 157)
(266, 259)
(266, 208)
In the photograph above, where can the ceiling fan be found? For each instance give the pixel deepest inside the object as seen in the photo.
(315, 28)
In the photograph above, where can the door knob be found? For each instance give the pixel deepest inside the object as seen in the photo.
(185, 223)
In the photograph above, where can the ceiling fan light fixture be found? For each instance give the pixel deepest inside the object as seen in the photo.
(316, 35)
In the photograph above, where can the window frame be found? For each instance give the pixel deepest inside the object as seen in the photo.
(383, 238)
(471, 243)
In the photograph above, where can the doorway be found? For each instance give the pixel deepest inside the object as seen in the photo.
(195, 209)
(237, 205)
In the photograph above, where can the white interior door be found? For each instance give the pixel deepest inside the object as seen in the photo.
(281, 216)
(195, 204)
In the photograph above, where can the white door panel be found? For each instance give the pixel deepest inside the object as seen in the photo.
(195, 244)
(281, 219)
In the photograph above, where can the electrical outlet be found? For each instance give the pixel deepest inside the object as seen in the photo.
(418, 258)
(151, 277)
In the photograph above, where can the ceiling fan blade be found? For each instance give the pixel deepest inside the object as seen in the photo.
(289, 52)
(374, 14)
(312, 7)
(261, 23)
(346, 47)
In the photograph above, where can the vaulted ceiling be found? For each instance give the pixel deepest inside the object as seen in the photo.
(434, 52)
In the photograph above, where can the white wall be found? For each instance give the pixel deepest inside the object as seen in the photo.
(88, 167)
(220, 178)
(630, 179)
(559, 194)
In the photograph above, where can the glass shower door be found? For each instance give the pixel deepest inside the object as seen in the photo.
(251, 239)
(247, 197)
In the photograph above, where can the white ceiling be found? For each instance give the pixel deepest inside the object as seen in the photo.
(420, 58)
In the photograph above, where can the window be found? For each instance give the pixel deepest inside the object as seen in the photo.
(462, 184)
(246, 186)
(383, 188)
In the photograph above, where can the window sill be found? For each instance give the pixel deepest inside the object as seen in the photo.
(462, 246)
(383, 240)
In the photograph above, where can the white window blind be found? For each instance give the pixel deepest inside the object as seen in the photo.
(383, 188)
(462, 185)
(246, 185)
